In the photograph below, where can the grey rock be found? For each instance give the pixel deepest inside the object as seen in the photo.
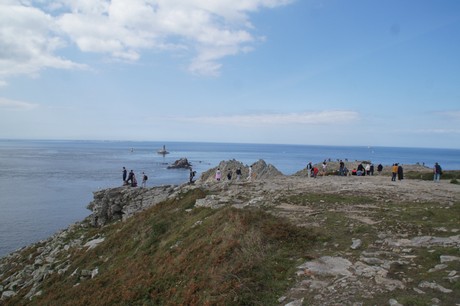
(328, 265)
(393, 302)
(7, 294)
(447, 258)
(295, 303)
(435, 286)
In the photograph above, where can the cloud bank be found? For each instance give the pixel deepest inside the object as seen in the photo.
(310, 118)
(32, 33)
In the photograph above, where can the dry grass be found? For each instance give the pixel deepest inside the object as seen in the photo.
(161, 257)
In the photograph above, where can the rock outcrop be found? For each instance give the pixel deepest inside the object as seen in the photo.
(260, 170)
(122, 202)
(180, 164)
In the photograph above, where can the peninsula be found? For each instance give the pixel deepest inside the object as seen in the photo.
(269, 239)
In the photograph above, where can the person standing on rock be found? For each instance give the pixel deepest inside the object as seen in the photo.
(315, 172)
(400, 173)
(144, 179)
(133, 180)
(379, 169)
(192, 175)
(125, 172)
(250, 174)
(341, 168)
(368, 169)
(309, 169)
(229, 174)
(324, 167)
(130, 177)
(238, 174)
(218, 175)
(437, 172)
(394, 172)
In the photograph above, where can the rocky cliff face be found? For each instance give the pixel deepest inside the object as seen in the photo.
(52, 256)
(122, 202)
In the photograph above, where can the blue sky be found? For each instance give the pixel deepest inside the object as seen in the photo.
(371, 73)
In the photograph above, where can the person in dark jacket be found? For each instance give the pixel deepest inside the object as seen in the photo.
(130, 177)
(437, 172)
(400, 173)
(124, 174)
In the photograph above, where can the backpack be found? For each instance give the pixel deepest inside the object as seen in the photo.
(145, 177)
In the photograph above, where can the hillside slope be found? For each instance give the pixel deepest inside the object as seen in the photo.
(275, 241)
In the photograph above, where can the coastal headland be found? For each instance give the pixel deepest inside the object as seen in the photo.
(265, 239)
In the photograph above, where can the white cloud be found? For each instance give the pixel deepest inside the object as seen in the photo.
(31, 32)
(28, 42)
(8, 104)
(310, 118)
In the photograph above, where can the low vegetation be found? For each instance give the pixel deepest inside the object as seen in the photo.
(177, 254)
(170, 256)
(451, 175)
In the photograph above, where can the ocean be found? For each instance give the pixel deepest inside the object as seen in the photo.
(46, 185)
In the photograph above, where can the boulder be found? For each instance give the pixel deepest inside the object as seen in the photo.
(260, 170)
(180, 164)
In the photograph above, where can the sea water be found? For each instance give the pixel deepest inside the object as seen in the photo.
(46, 185)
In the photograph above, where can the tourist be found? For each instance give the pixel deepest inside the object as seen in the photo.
(218, 175)
(400, 173)
(144, 180)
(250, 173)
(368, 169)
(229, 174)
(324, 166)
(379, 169)
(372, 169)
(437, 172)
(315, 172)
(238, 174)
(394, 172)
(309, 169)
(124, 174)
(133, 181)
(191, 175)
(360, 170)
(130, 177)
(341, 168)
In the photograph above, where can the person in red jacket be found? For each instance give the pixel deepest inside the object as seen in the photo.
(315, 172)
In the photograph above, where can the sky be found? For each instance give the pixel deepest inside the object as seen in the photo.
(314, 72)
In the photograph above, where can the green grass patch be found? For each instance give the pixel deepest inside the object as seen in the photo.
(323, 198)
(168, 256)
(422, 217)
(428, 176)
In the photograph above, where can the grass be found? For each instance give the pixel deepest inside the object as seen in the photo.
(168, 256)
(428, 176)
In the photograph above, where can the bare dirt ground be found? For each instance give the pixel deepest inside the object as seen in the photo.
(383, 242)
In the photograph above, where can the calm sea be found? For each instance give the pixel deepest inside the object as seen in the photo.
(46, 185)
